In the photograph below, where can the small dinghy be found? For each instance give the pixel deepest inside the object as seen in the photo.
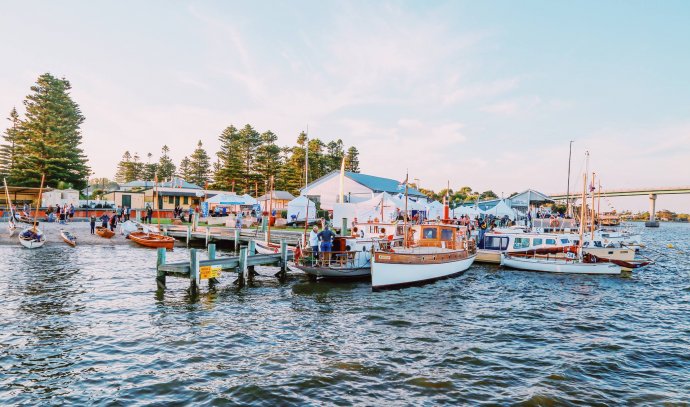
(69, 238)
(154, 240)
(104, 232)
(549, 264)
(32, 238)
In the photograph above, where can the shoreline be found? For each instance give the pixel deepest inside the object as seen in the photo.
(81, 229)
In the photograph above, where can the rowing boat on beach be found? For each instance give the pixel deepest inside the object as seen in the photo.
(152, 240)
(104, 232)
(68, 238)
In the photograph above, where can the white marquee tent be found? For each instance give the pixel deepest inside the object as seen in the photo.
(500, 210)
(298, 208)
(434, 210)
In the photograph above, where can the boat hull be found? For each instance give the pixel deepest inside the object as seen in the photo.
(559, 266)
(392, 275)
(68, 238)
(152, 240)
(263, 247)
(104, 232)
(334, 273)
(488, 256)
(32, 243)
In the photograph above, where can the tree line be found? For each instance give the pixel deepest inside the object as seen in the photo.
(458, 197)
(245, 162)
(47, 140)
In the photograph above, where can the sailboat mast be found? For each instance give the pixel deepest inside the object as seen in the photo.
(306, 191)
(583, 211)
(592, 221)
(405, 242)
(38, 204)
(270, 211)
(155, 196)
(567, 194)
(9, 201)
(599, 199)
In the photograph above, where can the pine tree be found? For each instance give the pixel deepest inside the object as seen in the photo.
(49, 139)
(135, 169)
(8, 148)
(199, 166)
(334, 156)
(317, 161)
(166, 167)
(185, 170)
(150, 169)
(352, 160)
(123, 168)
(267, 162)
(229, 166)
(249, 141)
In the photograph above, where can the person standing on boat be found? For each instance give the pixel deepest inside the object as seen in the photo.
(92, 222)
(314, 241)
(326, 237)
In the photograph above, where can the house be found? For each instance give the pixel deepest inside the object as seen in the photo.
(60, 197)
(130, 199)
(170, 197)
(528, 199)
(356, 188)
(280, 200)
(173, 183)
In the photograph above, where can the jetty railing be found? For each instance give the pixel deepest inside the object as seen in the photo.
(196, 270)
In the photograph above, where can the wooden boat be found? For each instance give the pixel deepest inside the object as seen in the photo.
(553, 264)
(152, 240)
(435, 252)
(32, 238)
(263, 247)
(104, 232)
(68, 238)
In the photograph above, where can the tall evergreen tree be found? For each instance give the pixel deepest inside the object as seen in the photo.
(199, 166)
(121, 176)
(135, 169)
(229, 166)
(185, 169)
(8, 147)
(249, 143)
(318, 163)
(49, 140)
(267, 162)
(352, 159)
(166, 167)
(150, 169)
(334, 155)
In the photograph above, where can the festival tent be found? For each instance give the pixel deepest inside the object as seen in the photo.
(369, 209)
(434, 210)
(230, 199)
(298, 208)
(500, 210)
(471, 211)
(249, 200)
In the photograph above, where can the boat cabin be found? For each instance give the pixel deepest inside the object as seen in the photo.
(435, 235)
(522, 242)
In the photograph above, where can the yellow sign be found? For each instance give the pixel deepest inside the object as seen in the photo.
(206, 272)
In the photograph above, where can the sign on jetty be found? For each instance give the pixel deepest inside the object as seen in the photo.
(212, 269)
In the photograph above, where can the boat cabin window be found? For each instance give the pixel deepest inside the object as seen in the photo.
(496, 243)
(565, 241)
(521, 243)
(537, 242)
(429, 233)
(446, 234)
(550, 241)
(399, 231)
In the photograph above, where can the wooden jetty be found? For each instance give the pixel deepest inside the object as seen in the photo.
(212, 269)
(209, 234)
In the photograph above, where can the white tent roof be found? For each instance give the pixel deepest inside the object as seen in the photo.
(470, 211)
(298, 207)
(230, 199)
(249, 199)
(434, 210)
(500, 210)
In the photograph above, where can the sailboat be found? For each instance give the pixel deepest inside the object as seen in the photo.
(33, 237)
(11, 223)
(266, 246)
(571, 264)
(150, 239)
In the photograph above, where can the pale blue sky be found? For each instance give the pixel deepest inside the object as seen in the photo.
(485, 94)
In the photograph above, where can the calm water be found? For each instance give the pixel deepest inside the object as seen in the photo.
(85, 326)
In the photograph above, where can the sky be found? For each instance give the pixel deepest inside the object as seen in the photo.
(484, 94)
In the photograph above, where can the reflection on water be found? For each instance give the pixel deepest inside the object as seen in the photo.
(86, 325)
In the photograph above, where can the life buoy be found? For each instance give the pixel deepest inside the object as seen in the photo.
(554, 223)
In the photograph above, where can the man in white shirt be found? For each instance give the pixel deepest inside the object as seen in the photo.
(314, 240)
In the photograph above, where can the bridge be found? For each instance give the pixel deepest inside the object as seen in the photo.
(651, 192)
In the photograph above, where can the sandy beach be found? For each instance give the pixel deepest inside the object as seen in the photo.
(52, 232)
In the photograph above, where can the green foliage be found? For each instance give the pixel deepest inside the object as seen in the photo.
(229, 166)
(8, 148)
(166, 168)
(352, 159)
(185, 170)
(48, 140)
(199, 166)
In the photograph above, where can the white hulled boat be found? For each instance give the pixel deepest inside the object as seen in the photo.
(552, 264)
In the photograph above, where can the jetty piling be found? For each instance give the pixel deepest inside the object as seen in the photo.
(196, 269)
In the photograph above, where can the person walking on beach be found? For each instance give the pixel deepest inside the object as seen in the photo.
(113, 221)
(71, 212)
(104, 220)
(92, 222)
(126, 213)
(118, 212)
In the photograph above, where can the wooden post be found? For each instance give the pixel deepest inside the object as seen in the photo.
(189, 234)
(237, 240)
(160, 275)
(283, 259)
(164, 232)
(193, 271)
(212, 256)
(242, 269)
(208, 234)
(343, 229)
(264, 223)
(195, 221)
(251, 251)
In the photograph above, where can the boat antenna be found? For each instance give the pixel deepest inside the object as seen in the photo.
(38, 205)
(591, 190)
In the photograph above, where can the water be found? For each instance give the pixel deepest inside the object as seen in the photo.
(86, 326)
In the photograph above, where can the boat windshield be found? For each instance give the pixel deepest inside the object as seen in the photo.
(429, 233)
(521, 243)
(446, 234)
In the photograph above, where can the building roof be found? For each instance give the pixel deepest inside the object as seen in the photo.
(278, 195)
(530, 195)
(376, 184)
(174, 183)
